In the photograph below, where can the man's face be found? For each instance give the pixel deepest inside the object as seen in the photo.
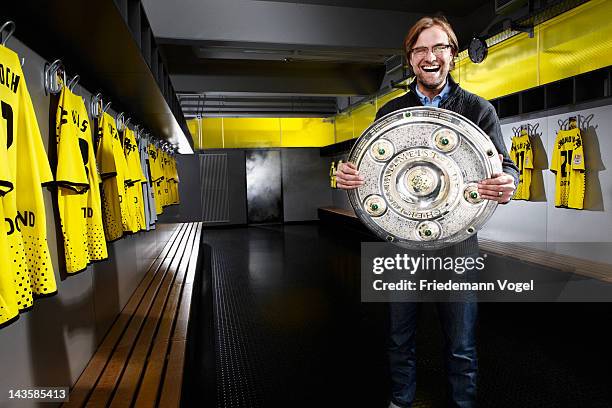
(431, 69)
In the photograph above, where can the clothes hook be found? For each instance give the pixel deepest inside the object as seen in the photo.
(73, 82)
(11, 29)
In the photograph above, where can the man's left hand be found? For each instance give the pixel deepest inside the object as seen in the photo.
(500, 187)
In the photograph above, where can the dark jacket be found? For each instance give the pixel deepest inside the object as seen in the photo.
(476, 109)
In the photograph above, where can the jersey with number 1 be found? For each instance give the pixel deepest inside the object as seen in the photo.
(521, 153)
(568, 164)
(24, 208)
(9, 310)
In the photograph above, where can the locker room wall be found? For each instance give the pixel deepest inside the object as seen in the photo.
(305, 186)
(51, 344)
(190, 207)
(582, 233)
(305, 183)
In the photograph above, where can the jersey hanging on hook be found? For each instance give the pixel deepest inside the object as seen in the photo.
(568, 163)
(24, 209)
(134, 179)
(117, 214)
(521, 153)
(78, 192)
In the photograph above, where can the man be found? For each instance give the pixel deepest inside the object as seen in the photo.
(430, 47)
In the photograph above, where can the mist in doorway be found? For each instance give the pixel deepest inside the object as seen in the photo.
(264, 187)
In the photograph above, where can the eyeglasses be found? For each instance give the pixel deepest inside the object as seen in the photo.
(437, 50)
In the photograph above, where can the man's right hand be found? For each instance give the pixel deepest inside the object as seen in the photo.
(347, 177)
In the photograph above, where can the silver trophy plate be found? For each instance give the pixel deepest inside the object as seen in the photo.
(421, 168)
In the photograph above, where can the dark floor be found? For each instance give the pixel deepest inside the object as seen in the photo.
(290, 330)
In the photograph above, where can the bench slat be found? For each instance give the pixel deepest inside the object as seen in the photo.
(171, 390)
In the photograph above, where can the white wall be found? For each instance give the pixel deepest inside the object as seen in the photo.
(540, 221)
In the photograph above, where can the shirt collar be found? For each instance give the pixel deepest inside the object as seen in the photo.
(438, 99)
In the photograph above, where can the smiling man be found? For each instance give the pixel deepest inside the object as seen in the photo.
(431, 45)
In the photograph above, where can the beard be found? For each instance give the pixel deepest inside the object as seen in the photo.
(432, 84)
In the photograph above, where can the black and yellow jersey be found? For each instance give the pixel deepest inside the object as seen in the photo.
(134, 180)
(78, 185)
(568, 164)
(521, 153)
(174, 181)
(28, 166)
(116, 212)
(157, 177)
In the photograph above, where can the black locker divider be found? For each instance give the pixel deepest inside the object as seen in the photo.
(145, 39)
(123, 8)
(585, 87)
(134, 20)
(532, 100)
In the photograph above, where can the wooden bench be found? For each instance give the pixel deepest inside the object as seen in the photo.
(140, 361)
(564, 263)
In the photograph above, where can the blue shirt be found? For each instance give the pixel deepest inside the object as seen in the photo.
(438, 99)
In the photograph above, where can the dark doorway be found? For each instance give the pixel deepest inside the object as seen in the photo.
(264, 186)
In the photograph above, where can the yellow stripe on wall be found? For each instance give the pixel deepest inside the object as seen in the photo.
(363, 116)
(344, 127)
(251, 132)
(220, 133)
(306, 132)
(573, 43)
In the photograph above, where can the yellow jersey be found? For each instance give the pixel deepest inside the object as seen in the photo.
(521, 154)
(157, 177)
(78, 181)
(172, 180)
(568, 164)
(136, 178)
(117, 215)
(24, 208)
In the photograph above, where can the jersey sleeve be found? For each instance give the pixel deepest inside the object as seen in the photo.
(175, 175)
(555, 164)
(578, 156)
(528, 156)
(133, 158)
(70, 171)
(27, 122)
(154, 164)
(513, 150)
(104, 155)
